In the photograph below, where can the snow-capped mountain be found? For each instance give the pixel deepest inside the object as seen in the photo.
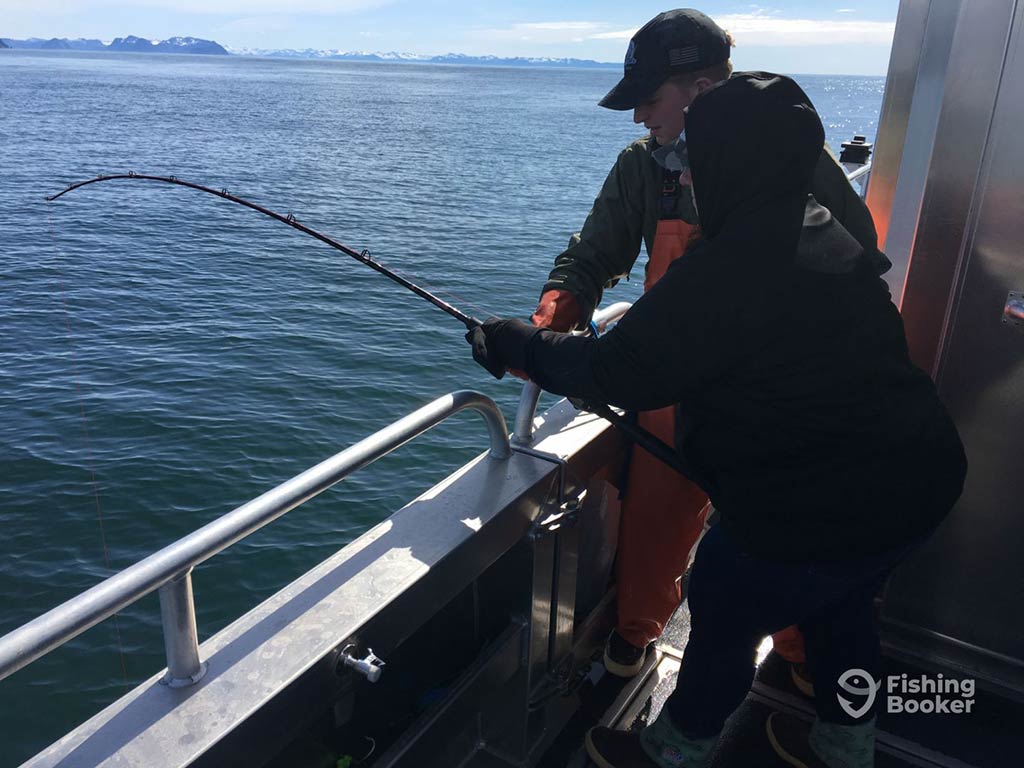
(415, 58)
(134, 44)
(131, 44)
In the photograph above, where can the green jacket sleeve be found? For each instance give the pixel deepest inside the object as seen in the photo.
(604, 250)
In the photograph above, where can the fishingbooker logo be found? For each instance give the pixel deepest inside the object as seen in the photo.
(859, 683)
(923, 694)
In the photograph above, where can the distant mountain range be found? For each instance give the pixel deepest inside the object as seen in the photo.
(130, 44)
(414, 58)
(133, 44)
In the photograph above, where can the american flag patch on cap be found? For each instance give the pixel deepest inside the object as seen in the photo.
(678, 57)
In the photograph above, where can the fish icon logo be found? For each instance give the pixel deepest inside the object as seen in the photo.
(859, 683)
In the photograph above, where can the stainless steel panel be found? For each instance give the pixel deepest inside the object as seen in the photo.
(906, 134)
(968, 582)
(563, 608)
(900, 86)
(599, 540)
(972, 82)
(433, 739)
(509, 726)
(543, 594)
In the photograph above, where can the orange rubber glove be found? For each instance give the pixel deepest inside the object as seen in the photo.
(558, 310)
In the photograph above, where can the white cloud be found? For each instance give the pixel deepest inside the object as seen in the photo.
(622, 34)
(247, 7)
(846, 10)
(764, 29)
(759, 29)
(543, 32)
(573, 26)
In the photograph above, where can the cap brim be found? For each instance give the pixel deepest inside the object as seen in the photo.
(628, 94)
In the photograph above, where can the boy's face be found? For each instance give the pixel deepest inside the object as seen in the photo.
(662, 114)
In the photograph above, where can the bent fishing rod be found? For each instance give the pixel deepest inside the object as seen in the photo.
(646, 440)
(361, 256)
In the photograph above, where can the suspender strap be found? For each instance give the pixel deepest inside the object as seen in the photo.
(670, 190)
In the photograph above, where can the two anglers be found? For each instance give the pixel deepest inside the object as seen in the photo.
(767, 349)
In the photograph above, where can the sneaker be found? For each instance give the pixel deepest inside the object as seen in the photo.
(621, 657)
(658, 745)
(802, 679)
(609, 748)
(790, 738)
(669, 748)
(823, 745)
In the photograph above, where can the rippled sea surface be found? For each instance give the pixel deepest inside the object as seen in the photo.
(166, 355)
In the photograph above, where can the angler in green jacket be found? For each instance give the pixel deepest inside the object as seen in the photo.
(627, 210)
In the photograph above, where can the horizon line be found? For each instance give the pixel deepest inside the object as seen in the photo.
(335, 54)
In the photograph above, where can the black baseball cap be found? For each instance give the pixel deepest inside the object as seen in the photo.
(673, 42)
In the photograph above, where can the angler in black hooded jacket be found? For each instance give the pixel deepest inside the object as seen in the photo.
(823, 448)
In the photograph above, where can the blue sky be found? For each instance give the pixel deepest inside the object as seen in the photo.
(797, 36)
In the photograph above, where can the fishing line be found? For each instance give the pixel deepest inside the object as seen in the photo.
(90, 464)
(362, 257)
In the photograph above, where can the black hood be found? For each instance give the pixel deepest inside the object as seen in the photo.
(753, 141)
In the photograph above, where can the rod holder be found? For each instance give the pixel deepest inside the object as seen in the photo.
(181, 639)
(522, 430)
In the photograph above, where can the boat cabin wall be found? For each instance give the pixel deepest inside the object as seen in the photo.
(947, 191)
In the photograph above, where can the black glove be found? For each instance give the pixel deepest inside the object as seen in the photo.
(501, 344)
(484, 354)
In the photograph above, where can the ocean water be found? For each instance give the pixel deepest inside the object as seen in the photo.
(166, 355)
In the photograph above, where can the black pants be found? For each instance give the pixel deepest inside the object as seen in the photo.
(737, 599)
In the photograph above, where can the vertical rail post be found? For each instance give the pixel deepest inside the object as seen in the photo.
(522, 430)
(181, 638)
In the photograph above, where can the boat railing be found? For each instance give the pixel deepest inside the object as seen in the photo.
(168, 571)
(859, 177)
(522, 431)
(860, 174)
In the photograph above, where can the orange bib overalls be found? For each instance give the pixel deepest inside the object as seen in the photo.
(663, 513)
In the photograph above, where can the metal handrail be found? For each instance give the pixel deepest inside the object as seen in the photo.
(522, 431)
(169, 569)
(858, 172)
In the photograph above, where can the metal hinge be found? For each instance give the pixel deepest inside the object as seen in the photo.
(565, 516)
(563, 511)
